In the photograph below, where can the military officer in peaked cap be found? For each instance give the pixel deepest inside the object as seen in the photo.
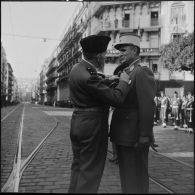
(131, 126)
(91, 97)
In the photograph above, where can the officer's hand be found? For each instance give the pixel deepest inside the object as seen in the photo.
(125, 77)
(113, 77)
(154, 146)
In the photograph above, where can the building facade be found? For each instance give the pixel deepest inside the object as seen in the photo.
(51, 81)
(177, 19)
(43, 85)
(10, 84)
(3, 75)
(156, 22)
(69, 51)
(15, 97)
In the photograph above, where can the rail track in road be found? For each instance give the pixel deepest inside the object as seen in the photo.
(19, 165)
(157, 181)
(12, 184)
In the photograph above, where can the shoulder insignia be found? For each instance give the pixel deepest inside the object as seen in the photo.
(131, 68)
(91, 71)
(128, 70)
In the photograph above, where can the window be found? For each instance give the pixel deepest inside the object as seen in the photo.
(177, 14)
(154, 68)
(176, 36)
(126, 20)
(154, 18)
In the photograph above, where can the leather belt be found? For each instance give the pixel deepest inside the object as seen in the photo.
(93, 109)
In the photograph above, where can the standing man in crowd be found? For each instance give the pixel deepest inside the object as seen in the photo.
(183, 112)
(175, 103)
(189, 112)
(132, 122)
(91, 98)
(164, 107)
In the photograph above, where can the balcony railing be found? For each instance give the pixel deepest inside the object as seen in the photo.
(53, 66)
(125, 23)
(51, 77)
(157, 75)
(112, 53)
(149, 51)
(154, 22)
(51, 86)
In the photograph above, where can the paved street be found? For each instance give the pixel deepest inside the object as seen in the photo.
(49, 170)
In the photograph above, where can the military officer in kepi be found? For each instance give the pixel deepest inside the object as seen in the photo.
(91, 97)
(132, 122)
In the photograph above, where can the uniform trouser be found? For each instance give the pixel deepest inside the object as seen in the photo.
(183, 116)
(89, 137)
(189, 116)
(175, 112)
(133, 166)
(163, 114)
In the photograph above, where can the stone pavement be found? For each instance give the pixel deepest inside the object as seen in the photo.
(49, 171)
(9, 136)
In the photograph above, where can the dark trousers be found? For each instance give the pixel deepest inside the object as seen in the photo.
(190, 119)
(183, 117)
(133, 166)
(89, 137)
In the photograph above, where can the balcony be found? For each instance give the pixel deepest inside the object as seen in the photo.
(125, 23)
(51, 86)
(112, 53)
(51, 77)
(63, 77)
(149, 52)
(51, 68)
(177, 76)
(157, 75)
(154, 22)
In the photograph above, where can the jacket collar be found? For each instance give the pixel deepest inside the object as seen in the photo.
(125, 65)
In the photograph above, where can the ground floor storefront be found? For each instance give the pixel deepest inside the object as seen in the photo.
(169, 87)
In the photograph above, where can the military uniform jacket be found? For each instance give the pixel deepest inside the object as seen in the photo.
(88, 90)
(133, 120)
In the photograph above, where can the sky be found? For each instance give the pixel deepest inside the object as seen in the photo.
(32, 22)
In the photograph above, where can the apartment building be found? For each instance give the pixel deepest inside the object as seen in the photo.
(15, 97)
(3, 75)
(156, 22)
(69, 50)
(177, 19)
(9, 83)
(51, 81)
(43, 85)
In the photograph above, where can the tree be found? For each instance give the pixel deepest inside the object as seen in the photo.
(179, 54)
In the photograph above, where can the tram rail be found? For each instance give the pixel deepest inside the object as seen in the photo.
(12, 184)
(159, 183)
(10, 113)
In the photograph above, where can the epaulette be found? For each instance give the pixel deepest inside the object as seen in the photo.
(94, 73)
(91, 71)
(129, 69)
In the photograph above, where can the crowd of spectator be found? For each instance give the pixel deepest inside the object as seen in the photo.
(175, 111)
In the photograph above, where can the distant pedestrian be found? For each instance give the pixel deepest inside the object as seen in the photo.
(183, 112)
(175, 109)
(164, 106)
(189, 112)
(91, 98)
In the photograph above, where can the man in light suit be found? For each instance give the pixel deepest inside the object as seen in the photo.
(132, 122)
